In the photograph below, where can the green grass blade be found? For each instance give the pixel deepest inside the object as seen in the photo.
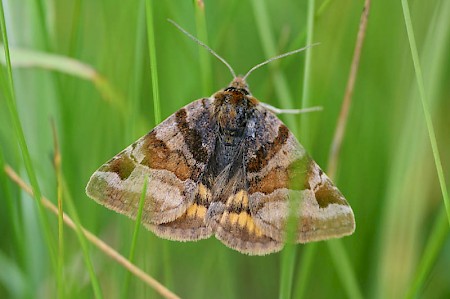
(325, 4)
(153, 64)
(343, 267)
(269, 47)
(13, 279)
(135, 93)
(425, 106)
(306, 94)
(25, 58)
(13, 213)
(10, 101)
(288, 257)
(289, 254)
(156, 102)
(304, 271)
(137, 226)
(42, 20)
(204, 56)
(435, 244)
(59, 193)
(82, 239)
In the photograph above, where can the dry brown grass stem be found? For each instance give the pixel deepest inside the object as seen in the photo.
(105, 248)
(343, 116)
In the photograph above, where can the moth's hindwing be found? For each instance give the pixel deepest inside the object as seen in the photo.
(173, 156)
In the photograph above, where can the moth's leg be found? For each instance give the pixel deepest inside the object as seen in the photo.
(291, 111)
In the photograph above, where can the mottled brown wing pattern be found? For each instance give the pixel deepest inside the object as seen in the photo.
(279, 169)
(224, 166)
(238, 230)
(173, 157)
(232, 220)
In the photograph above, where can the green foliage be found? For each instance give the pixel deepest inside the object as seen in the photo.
(101, 100)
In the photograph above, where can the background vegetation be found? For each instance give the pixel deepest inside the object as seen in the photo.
(386, 168)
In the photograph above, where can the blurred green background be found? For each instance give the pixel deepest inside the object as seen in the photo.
(401, 247)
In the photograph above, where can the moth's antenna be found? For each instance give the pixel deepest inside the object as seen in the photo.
(204, 46)
(277, 57)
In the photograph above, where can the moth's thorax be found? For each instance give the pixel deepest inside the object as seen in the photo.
(232, 107)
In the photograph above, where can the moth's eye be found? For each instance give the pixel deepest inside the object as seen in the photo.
(244, 91)
(230, 88)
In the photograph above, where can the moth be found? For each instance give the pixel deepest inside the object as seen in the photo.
(224, 165)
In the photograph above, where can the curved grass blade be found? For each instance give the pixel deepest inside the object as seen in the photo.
(25, 58)
(425, 106)
(17, 126)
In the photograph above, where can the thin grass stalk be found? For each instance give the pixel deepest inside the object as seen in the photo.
(306, 93)
(339, 254)
(102, 246)
(289, 254)
(82, 239)
(344, 268)
(135, 91)
(59, 191)
(434, 246)
(425, 106)
(339, 133)
(436, 40)
(11, 103)
(202, 34)
(12, 212)
(153, 63)
(42, 19)
(288, 257)
(137, 226)
(325, 4)
(74, 28)
(304, 272)
(156, 102)
(269, 46)
(336, 248)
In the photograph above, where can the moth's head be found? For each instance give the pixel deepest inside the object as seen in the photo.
(240, 85)
(236, 95)
(234, 104)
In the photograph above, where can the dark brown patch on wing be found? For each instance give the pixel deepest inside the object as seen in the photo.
(326, 194)
(192, 138)
(293, 177)
(122, 165)
(275, 179)
(268, 151)
(159, 156)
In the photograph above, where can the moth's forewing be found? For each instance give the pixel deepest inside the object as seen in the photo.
(173, 156)
(284, 170)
